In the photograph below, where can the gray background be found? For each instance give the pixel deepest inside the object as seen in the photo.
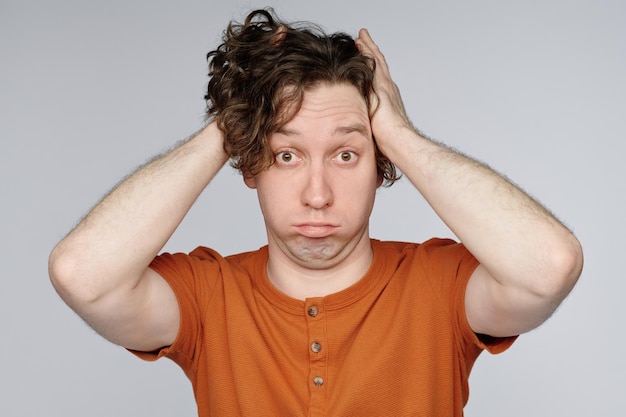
(90, 90)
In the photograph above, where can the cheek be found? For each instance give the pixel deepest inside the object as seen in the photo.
(276, 199)
(366, 181)
(358, 195)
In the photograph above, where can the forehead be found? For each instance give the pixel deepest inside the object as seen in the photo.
(330, 104)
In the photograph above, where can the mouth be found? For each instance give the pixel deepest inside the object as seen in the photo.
(315, 230)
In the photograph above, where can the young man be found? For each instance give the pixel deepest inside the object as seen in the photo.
(323, 320)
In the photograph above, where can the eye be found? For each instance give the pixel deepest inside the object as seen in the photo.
(346, 156)
(285, 157)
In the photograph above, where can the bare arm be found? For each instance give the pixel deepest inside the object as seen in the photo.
(101, 268)
(528, 260)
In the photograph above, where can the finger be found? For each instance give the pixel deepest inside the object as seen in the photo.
(279, 36)
(368, 47)
(365, 42)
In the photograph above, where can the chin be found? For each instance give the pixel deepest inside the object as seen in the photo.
(316, 254)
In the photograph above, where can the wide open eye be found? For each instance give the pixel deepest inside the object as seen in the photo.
(285, 157)
(346, 156)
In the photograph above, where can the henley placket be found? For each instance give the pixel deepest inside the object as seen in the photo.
(318, 355)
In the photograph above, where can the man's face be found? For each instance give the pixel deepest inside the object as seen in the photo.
(317, 197)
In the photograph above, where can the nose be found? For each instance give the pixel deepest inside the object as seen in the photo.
(317, 192)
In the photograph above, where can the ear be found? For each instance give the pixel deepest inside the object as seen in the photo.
(379, 181)
(249, 181)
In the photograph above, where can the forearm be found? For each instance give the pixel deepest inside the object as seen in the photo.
(116, 241)
(517, 240)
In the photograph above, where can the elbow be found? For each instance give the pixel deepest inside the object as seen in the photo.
(564, 266)
(61, 271)
(64, 271)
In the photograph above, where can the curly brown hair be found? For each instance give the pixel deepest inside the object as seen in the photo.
(258, 77)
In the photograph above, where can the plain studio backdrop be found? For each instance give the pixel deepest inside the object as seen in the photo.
(91, 89)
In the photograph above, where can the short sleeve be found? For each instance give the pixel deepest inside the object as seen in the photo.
(192, 278)
(449, 266)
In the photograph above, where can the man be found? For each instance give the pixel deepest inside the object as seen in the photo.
(323, 320)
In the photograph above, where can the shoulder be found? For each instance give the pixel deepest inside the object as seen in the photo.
(204, 255)
(434, 247)
(443, 262)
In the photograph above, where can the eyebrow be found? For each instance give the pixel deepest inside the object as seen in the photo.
(340, 130)
(356, 127)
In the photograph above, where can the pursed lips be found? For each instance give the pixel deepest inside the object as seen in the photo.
(315, 230)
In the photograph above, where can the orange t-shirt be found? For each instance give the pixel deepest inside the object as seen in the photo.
(396, 343)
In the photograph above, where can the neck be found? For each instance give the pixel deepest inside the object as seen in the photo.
(302, 282)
